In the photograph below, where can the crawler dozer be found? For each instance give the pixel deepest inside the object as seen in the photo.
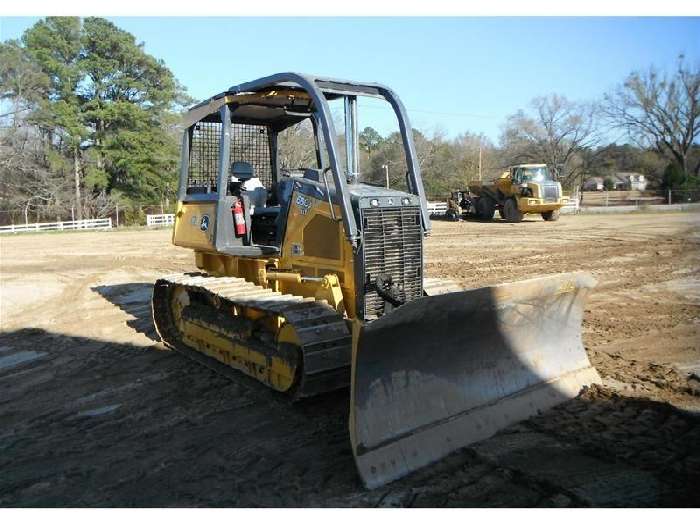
(310, 279)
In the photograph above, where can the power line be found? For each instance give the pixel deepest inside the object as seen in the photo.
(471, 115)
(445, 113)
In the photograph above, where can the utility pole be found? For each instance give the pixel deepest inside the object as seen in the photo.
(386, 173)
(117, 215)
(479, 160)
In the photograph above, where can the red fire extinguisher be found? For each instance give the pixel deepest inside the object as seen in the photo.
(239, 218)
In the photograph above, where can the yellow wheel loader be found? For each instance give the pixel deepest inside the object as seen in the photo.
(525, 188)
(311, 279)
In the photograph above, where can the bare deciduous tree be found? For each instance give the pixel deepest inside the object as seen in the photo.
(660, 111)
(555, 133)
(297, 148)
(27, 183)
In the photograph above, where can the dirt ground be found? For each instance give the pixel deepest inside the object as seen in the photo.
(95, 413)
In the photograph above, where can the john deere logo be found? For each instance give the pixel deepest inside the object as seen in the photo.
(204, 225)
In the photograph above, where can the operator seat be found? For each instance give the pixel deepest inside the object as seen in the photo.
(243, 176)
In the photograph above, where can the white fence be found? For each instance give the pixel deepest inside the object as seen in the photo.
(437, 208)
(161, 219)
(573, 206)
(85, 224)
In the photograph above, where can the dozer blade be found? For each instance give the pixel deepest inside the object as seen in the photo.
(445, 371)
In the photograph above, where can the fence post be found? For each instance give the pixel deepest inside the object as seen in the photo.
(117, 215)
(669, 196)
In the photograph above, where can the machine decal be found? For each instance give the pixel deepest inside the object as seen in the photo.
(303, 203)
(297, 249)
(204, 225)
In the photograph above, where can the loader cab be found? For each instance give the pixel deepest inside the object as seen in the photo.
(530, 173)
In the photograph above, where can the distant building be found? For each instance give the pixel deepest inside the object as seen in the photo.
(593, 184)
(629, 180)
(622, 180)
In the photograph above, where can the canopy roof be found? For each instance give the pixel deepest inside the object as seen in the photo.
(278, 100)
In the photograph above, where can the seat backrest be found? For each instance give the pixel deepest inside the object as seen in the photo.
(242, 170)
(257, 196)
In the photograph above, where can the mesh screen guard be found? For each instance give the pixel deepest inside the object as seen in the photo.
(249, 143)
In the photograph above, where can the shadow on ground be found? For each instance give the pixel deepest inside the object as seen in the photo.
(135, 300)
(94, 423)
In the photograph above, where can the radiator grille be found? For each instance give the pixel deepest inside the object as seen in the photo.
(551, 193)
(392, 244)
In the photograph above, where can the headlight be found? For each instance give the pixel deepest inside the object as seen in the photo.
(405, 201)
(374, 202)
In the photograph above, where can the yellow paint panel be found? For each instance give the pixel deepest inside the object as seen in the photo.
(300, 248)
(530, 205)
(194, 225)
(273, 371)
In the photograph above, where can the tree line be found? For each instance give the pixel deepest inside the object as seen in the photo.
(655, 116)
(90, 120)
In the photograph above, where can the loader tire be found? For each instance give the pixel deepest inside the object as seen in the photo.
(511, 212)
(485, 208)
(551, 215)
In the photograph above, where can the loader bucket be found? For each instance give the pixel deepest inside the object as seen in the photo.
(445, 371)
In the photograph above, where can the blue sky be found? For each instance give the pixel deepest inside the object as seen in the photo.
(456, 74)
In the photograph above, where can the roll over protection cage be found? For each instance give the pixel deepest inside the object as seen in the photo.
(316, 88)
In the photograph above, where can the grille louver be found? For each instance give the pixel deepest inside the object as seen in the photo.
(551, 193)
(392, 244)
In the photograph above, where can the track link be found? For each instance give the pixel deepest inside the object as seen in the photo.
(324, 336)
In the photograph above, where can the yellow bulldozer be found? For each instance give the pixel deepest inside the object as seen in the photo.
(311, 279)
(524, 188)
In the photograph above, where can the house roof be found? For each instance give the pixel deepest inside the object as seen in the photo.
(626, 176)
